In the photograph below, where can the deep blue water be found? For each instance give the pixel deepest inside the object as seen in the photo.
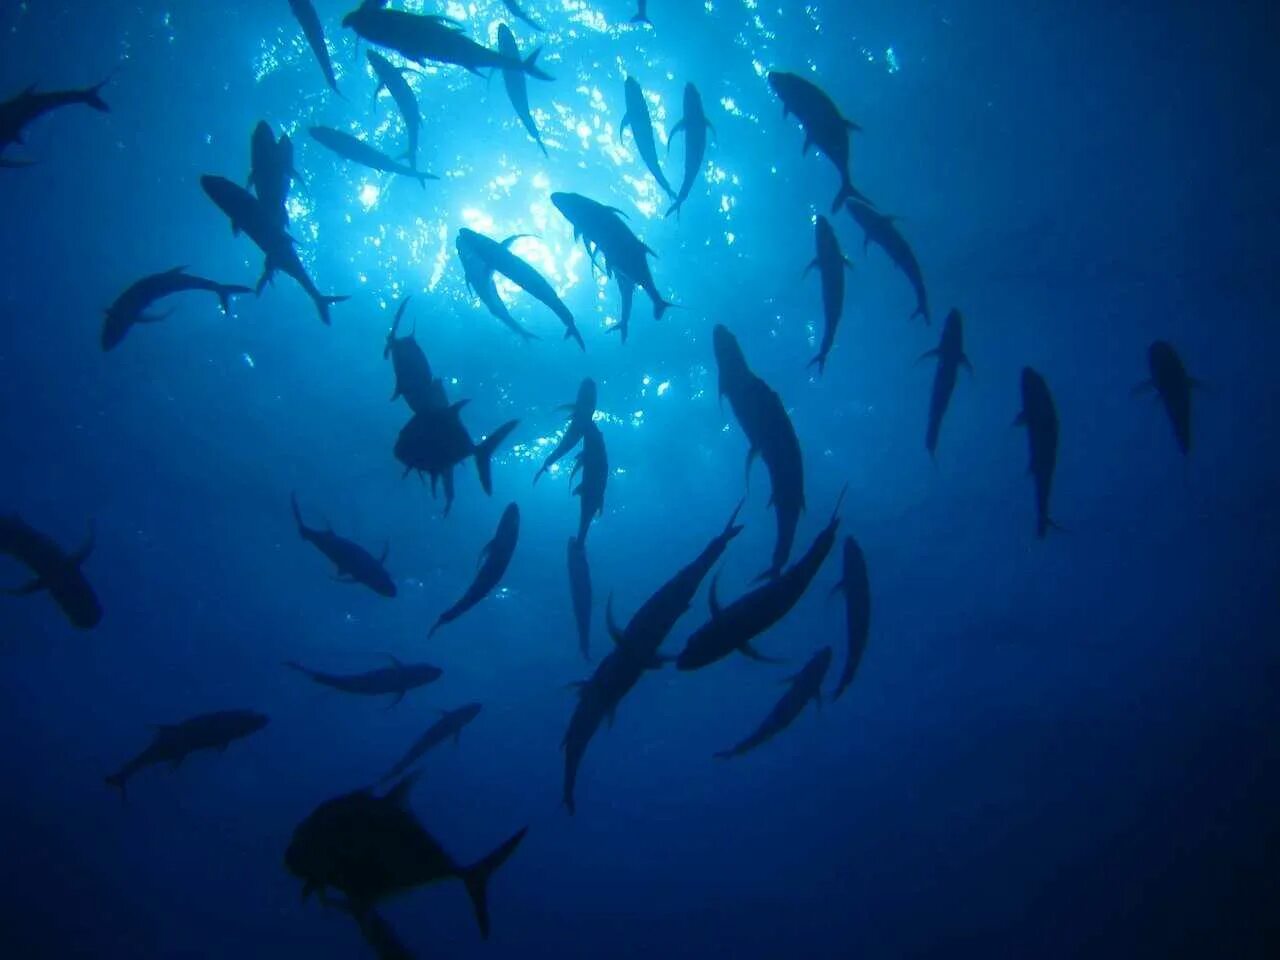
(1053, 748)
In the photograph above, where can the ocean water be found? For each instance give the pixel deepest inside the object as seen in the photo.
(1057, 747)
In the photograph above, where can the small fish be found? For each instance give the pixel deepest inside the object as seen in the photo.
(951, 356)
(642, 15)
(593, 461)
(448, 727)
(494, 559)
(391, 78)
(173, 743)
(480, 253)
(641, 124)
(857, 609)
(805, 686)
(824, 127)
(831, 264)
(131, 306)
(1040, 417)
(1169, 379)
(580, 594)
(517, 89)
(18, 113)
(271, 171)
(694, 124)
(357, 151)
(412, 370)
(882, 230)
(305, 14)
(55, 571)
(581, 413)
(354, 563)
(395, 680)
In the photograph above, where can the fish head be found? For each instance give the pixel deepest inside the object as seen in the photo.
(114, 327)
(507, 45)
(824, 232)
(1165, 364)
(360, 17)
(786, 86)
(952, 331)
(692, 102)
(250, 721)
(728, 352)
(586, 402)
(262, 142)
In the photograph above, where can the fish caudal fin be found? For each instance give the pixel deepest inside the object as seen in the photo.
(324, 303)
(485, 451)
(820, 361)
(92, 97)
(477, 876)
(225, 293)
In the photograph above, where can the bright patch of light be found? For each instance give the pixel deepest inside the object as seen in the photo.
(891, 59)
(369, 194)
(663, 387)
(248, 360)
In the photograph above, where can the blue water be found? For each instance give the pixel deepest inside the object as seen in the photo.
(1053, 748)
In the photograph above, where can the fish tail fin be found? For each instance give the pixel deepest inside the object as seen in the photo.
(820, 361)
(485, 451)
(477, 876)
(846, 193)
(117, 782)
(661, 306)
(227, 291)
(571, 333)
(641, 18)
(297, 513)
(921, 311)
(323, 304)
(530, 66)
(92, 97)
(675, 208)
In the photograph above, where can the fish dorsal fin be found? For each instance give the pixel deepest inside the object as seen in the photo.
(399, 794)
(513, 238)
(175, 270)
(712, 598)
(611, 623)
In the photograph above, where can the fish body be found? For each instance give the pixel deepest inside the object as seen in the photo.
(857, 611)
(412, 370)
(1040, 418)
(354, 564)
(485, 253)
(641, 124)
(951, 356)
(517, 87)
(494, 560)
(53, 569)
(271, 171)
(824, 126)
(831, 264)
(580, 594)
(435, 441)
(448, 727)
(593, 462)
(805, 686)
(882, 230)
(395, 680)
(391, 78)
(694, 125)
(18, 113)
(581, 414)
(357, 151)
(1170, 380)
(305, 13)
(130, 307)
(173, 743)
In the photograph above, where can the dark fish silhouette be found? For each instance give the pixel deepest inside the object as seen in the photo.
(354, 563)
(581, 413)
(435, 441)
(603, 232)
(641, 124)
(519, 14)
(642, 15)
(372, 848)
(1169, 379)
(172, 743)
(695, 125)
(271, 171)
(580, 594)
(494, 559)
(307, 18)
(131, 306)
(831, 264)
(593, 461)
(824, 127)
(392, 79)
(636, 651)
(448, 727)
(54, 570)
(805, 686)
(262, 226)
(517, 88)
(412, 370)
(951, 356)
(21, 111)
(857, 610)
(628, 290)
(882, 230)
(357, 151)
(395, 680)
(732, 628)
(772, 436)
(480, 253)
(425, 38)
(479, 276)
(1040, 417)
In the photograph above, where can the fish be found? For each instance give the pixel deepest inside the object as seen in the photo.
(857, 610)
(641, 124)
(642, 15)
(694, 124)
(448, 727)
(423, 38)
(372, 848)
(951, 357)
(353, 562)
(635, 652)
(831, 264)
(805, 686)
(581, 413)
(395, 680)
(882, 230)
(517, 89)
(593, 461)
(249, 214)
(305, 13)
(1170, 380)
(772, 437)
(435, 441)
(391, 78)
(580, 594)
(519, 14)
(357, 151)
(18, 113)
(733, 627)
(412, 370)
(55, 571)
(603, 231)
(271, 171)
(480, 253)
(481, 285)
(1040, 418)
(172, 743)
(131, 306)
(824, 126)
(494, 559)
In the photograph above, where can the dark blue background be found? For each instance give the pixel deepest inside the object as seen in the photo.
(1052, 749)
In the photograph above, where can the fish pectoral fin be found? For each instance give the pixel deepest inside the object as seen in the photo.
(396, 701)
(27, 589)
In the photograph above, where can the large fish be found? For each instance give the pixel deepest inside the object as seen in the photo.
(517, 89)
(18, 113)
(1040, 417)
(494, 560)
(309, 20)
(641, 124)
(497, 258)
(831, 264)
(580, 594)
(435, 441)
(951, 356)
(131, 306)
(824, 127)
(593, 461)
(353, 563)
(271, 171)
(694, 125)
(54, 571)
(882, 230)
(425, 38)
(448, 727)
(581, 413)
(173, 743)
(857, 610)
(395, 680)
(391, 78)
(411, 368)
(805, 686)
(357, 151)
(1170, 380)
(480, 283)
